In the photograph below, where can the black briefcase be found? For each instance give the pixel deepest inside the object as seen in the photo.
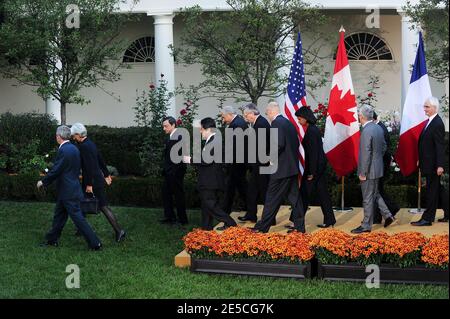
(89, 205)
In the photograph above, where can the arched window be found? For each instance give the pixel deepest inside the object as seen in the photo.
(141, 50)
(366, 46)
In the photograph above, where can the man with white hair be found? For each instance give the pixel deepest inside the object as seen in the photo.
(94, 175)
(370, 169)
(236, 172)
(431, 163)
(66, 172)
(257, 184)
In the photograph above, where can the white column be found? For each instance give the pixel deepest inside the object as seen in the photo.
(164, 63)
(410, 39)
(52, 106)
(289, 45)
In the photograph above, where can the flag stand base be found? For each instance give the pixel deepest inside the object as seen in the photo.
(416, 210)
(343, 209)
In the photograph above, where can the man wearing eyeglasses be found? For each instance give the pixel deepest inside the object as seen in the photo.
(431, 163)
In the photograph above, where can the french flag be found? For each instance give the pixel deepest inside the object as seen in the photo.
(413, 117)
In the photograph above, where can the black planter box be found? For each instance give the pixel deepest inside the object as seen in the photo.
(388, 274)
(222, 266)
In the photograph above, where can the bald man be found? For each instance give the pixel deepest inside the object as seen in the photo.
(283, 183)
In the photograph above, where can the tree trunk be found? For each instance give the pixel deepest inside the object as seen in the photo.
(63, 113)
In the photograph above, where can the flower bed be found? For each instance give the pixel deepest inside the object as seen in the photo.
(404, 257)
(240, 251)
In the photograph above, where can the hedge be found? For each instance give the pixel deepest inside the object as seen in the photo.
(124, 191)
(146, 192)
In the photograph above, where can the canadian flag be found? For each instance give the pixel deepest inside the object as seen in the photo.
(341, 139)
(413, 117)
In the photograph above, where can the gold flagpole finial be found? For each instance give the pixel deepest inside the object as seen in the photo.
(342, 29)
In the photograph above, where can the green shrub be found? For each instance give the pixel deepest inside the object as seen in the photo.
(124, 191)
(20, 129)
(25, 139)
(119, 147)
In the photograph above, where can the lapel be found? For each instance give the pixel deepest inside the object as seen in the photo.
(426, 128)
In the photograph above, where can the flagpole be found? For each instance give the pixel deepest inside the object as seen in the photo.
(418, 210)
(343, 208)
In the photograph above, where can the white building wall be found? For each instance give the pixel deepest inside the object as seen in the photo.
(107, 110)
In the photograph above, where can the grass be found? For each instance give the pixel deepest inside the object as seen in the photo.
(142, 266)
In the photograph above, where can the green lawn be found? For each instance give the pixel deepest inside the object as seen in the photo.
(142, 266)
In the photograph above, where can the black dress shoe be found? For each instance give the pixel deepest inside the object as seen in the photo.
(443, 220)
(246, 218)
(49, 244)
(360, 230)
(377, 222)
(296, 230)
(421, 222)
(325, 225)
(396, 210)
(120, 236)
(223, 227)
(167, 221)
(97, 248)
(388, 221)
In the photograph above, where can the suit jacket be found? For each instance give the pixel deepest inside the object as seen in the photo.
(66, 173)
(93, 166)
(432, 147)
(239, 122)
(261, 126)
(211, 175)
(387, 158)
(170, 167)
(371, 151)
(288, 145)
(315, 159)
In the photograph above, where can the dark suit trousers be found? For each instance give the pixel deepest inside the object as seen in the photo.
(435, 193)
(173, 188)
(63, 210)
(318, 187)
(236, 179)
(211, 208)
(277, 191)
(257, 189)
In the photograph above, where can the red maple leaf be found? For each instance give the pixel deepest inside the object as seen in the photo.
(338, 107)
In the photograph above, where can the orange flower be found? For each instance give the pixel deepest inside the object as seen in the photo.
(367, 244)
(404, 243)
(435, 252)
(335, 241)
(239, 241)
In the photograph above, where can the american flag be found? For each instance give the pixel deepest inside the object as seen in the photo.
(296, 96)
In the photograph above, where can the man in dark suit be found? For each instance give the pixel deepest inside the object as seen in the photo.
(236, 177)
(283, 181)
(173, 185)
(431, 163)
(257, 184)
(210, 182)
(314, 179)
(387, 159)
(66, 173)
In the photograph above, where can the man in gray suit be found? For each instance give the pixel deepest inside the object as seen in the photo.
(370, 169)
